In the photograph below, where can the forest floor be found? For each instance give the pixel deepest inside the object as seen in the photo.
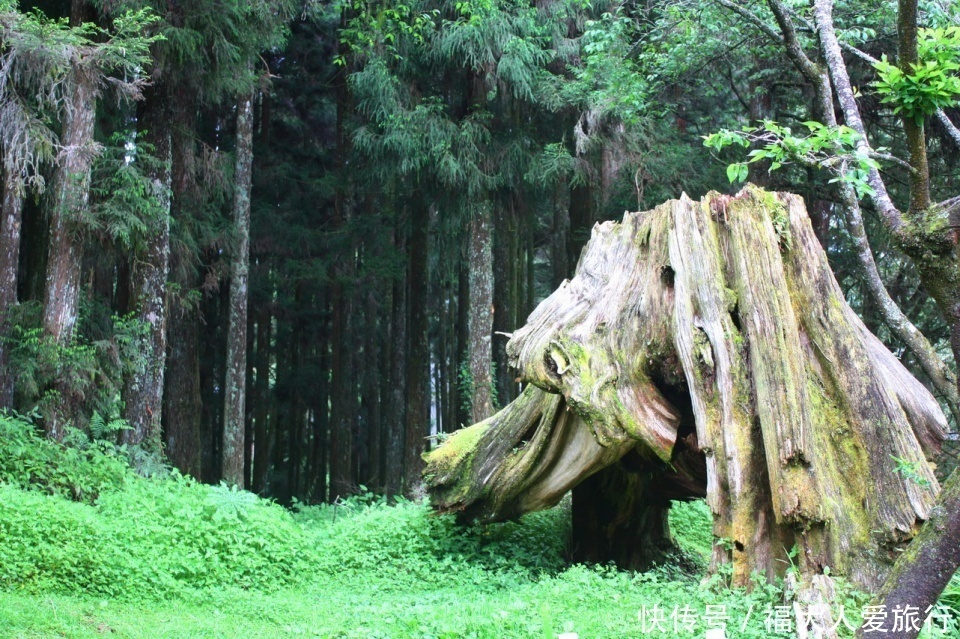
(88, 548)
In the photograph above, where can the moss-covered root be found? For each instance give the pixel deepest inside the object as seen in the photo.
(523, 459)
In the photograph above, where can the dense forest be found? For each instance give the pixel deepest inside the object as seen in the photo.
(283, 244)
(304, 304)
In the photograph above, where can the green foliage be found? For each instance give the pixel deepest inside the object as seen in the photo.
(149, 538)
(125, 201)
(81, 471)
(409, 547)
(832, 148)
(692, 526)
(87, 372)
(910, 470)
(212, 47)
(931, 84)
(168, 557)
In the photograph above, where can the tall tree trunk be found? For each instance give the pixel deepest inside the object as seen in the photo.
(559, 260)
(418, 356)
(318, 481)
(373, 400)
(143, 389)
(11, 218)
(69, 200)
(480, 322)
(581, 218)
(343, 404)
(235, 379)
(261, 399)
(908, 57)
(505, 268)
(181, 398)
(182, 405)
(394, 431)
(462, 343)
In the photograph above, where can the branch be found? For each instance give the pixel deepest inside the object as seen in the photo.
(951, 128)
(939, 373)
(863, 55)
(892, 158)
(792, 43)
(750, 16)
(830, 47)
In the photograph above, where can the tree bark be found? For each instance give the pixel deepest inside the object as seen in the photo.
(480, 318)
(235, 378)
(393, 436)
(908, 57)
(11, 219)
(261, 413)
(182, 405)
(923, 571)
(69, 202)
(505, 268)
(143, 390)
(181, 399)
(373, 391)
(820, 78)
(709, 345)
(418, 358)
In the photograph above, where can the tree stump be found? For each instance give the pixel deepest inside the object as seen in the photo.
(705, 349)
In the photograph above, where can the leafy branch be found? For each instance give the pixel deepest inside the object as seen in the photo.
(833, 148)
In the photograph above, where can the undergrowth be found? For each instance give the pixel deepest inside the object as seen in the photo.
(88, 547)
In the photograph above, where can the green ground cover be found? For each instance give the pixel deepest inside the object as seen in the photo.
(88, 548)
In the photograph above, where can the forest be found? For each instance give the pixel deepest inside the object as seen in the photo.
(337, 319)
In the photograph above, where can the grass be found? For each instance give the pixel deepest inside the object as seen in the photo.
(150, 558)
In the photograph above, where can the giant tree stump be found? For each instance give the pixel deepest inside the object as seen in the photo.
(705, 349)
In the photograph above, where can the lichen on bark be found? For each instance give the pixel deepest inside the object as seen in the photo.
(705, 349)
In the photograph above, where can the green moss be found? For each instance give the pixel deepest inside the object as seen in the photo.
(457, 448)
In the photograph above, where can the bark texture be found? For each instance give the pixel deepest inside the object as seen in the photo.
(235, 378)
(143, 391)
(11, 221)
(69, 201)
(417, 426)
(480, 318)
(707, 348)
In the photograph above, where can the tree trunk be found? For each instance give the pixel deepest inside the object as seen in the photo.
(143, 390)
(69, 201)
(261, 413)
(619, 516)
(707, 346)
(461, 358)
(343, 404)
(418, 356)
(373, 398)
(235, 378)
(393, 436)
(11, 218)
(480, 318)
(926, 567)
(181, 396)
(505, 267)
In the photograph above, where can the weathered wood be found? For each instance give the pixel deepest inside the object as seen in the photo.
(706, 348)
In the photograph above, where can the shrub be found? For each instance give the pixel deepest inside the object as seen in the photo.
(79, 471)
